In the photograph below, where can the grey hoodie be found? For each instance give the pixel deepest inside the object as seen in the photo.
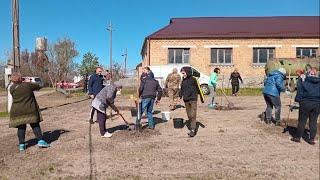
(105, 98)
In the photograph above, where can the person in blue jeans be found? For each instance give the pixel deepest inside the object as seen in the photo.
(273, 86)
(150, 92)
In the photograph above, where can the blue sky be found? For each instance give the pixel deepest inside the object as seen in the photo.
(85, 21)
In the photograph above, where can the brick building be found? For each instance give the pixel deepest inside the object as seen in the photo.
(245, 43)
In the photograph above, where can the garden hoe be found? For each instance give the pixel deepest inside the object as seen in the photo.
(230, 104)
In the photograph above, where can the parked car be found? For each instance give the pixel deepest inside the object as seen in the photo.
(161, 72)
(36, 80)
(65, 85)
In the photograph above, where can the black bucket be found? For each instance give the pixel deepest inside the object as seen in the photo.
(134, 112)
(178, 123)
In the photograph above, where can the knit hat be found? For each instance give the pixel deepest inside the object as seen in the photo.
(283, 71)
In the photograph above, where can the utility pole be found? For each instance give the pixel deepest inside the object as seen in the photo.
(110, 29)
(125, 61)
(15, 35)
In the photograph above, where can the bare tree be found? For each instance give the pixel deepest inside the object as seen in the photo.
(65, 52)
(117, 72)
(2, 67)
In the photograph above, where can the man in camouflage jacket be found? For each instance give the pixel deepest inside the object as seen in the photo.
(172, 84)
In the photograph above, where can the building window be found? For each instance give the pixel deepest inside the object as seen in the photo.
(306, 52)
(221, 55)
(178, 56)
(262, 55)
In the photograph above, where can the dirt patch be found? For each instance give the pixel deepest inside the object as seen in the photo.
(133, 134)
(232, 145)
(226, 108)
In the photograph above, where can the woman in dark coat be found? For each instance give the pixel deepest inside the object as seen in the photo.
(25, 110)
(234, 78)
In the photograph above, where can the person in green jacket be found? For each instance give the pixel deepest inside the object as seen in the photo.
(25, 110)
(213, 84)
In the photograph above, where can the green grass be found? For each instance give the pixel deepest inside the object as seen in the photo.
(78, 94)
(46, 89)
(129, 91)
(4, 114)
(242, 92)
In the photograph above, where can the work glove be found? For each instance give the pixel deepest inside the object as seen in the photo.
(293, 107)
(288, 93)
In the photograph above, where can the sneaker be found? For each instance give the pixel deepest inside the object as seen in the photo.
(191, 133)
(22, 147)
(91, 121)
(43, 144)
(268, 121)
(294, 139)
(107, 135)
(277, 123)
(312, 142)
(212, 106)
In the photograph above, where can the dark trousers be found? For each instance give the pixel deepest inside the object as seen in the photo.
(235, 88)
(272, 101)
(22, 132)
(308, 110)
(101, 118)
(92, 110)
(191, 108)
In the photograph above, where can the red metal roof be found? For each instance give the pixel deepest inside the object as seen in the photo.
(241, 27)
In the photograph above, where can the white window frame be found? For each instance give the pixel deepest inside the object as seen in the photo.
(310, 51)
(258, 55)
(183, 55)
(224, 56)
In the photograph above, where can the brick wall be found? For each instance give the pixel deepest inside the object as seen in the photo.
(242, 56)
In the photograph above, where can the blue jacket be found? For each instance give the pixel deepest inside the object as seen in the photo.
(308, 90)
(95, 84)
(274, 84)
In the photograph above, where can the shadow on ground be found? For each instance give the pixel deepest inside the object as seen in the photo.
(49, 136)
(292, 131)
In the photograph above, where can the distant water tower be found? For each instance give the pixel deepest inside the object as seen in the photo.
(41, 44)
(41, 48)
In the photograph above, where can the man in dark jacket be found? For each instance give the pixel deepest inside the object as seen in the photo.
(308, 96)
(95, 85)
(234, 78)
(149, 90)
(273, 86)
(189, 92)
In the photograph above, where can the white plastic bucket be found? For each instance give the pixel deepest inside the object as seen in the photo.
(166, 116)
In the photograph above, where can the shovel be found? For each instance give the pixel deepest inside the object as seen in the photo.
(132, 124)
(230, 104)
